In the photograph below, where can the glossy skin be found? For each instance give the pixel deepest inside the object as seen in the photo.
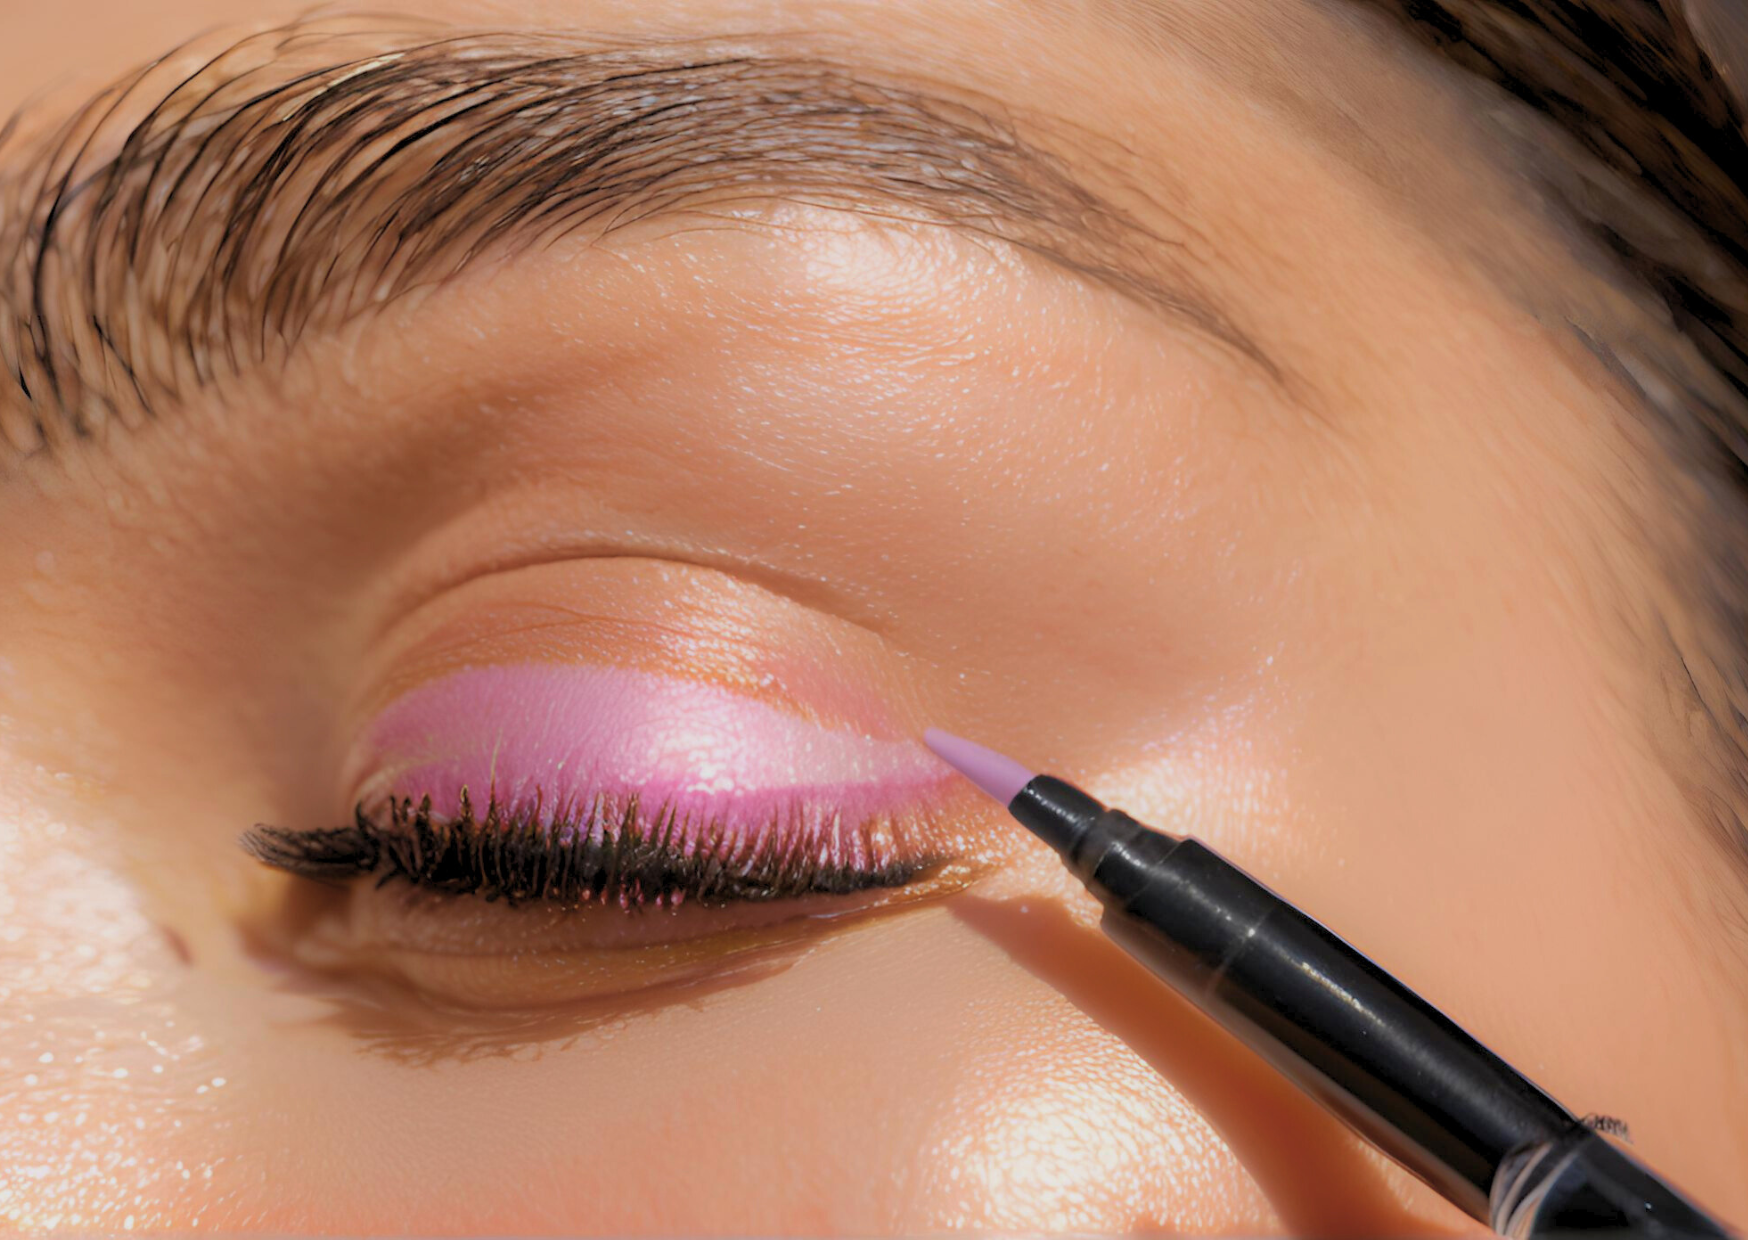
(1366, 636)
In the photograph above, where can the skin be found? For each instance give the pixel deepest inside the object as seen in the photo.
(1372, 633)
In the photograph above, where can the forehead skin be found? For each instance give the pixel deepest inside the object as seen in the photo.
(1372, 634)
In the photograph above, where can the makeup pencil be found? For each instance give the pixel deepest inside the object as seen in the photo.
(1361, 1043)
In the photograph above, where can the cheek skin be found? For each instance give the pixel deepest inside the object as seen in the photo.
(892, 1094)
(985, 1065)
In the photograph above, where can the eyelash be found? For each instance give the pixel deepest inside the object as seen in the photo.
(521, 855)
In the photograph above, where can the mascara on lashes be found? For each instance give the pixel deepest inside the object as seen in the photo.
(574, 784)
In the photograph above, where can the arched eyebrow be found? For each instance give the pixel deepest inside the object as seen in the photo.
(303, 176)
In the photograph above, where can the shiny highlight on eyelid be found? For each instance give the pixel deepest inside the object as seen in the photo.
(547, 736)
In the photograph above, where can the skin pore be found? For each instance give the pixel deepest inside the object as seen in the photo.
(1343, 563)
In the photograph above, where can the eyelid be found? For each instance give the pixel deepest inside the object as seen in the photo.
(717, 687)
(612, 783)
(654, 615)
(520, 732)
(875, 836)
(598, 706)
(696, 690)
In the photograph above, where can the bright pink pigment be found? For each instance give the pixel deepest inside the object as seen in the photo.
(555, 734)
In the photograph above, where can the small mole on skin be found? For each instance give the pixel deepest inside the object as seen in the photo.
(177, 943)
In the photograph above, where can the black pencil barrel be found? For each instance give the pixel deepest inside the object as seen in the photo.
(1399, 1071)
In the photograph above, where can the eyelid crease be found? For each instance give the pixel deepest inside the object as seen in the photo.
(446, 573)
(224, 213)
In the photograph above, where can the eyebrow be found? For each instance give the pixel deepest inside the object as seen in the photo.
(301, 177)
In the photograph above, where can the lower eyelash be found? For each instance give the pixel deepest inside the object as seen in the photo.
(522, 854)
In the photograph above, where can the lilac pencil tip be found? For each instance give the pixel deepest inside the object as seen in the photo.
(998, 775)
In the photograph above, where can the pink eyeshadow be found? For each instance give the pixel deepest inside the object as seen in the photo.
(554, 736)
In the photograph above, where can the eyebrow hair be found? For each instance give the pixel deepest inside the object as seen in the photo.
(305, 175)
